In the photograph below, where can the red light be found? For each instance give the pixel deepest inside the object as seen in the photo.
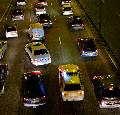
(36, 72)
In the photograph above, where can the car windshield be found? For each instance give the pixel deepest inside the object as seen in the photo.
(111, 93)
(77, 21)
(33, 87)
(40, 52)
(72, 73)
(72, 87)
(11, 29)
(39, 6)
(67, 9)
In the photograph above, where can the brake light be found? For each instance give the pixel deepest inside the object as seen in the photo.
(36, 72)
(64, 93)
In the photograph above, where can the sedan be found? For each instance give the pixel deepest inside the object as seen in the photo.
(38, 53)
(76, 23)
(34, 91)
(87, 47)
(11, 32)
(39, 9)
(45, 20)
(17, 14)
(107, 91)
(3, 48)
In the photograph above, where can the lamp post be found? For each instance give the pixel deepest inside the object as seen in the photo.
(100, 17)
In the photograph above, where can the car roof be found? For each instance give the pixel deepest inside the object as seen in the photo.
(67, 5)
(106, 81)
(88, 44)
(36, 25)
(37, 45)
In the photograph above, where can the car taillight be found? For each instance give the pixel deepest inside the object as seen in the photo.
(25, 99)
(64, 93)
(81, 92)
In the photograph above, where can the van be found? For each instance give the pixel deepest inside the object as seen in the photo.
(36, 31)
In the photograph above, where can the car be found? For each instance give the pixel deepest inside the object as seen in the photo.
(34, 89)
(3, 76)
(17, 14)
(70, 82)
(38, 53)
(107, 91)
(11, 31)
(39, 9)
(67, 10)
(43, 2)
(3, 48)
(62, 2)
(36, 31)
(76, 23)
(45, 20)
(87, 47)
(21, 2)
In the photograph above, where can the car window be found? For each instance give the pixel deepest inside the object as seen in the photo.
(40, 52)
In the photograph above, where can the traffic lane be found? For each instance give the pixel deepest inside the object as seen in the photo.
(15, 59)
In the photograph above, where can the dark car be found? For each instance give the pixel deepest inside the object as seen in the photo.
(3, 76)
(34, 91)
(17, 14)
(107, 91)
(45, 20)
(87, 47)
(76, 23)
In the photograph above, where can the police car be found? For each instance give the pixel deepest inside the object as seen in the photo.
(3, 48)
(107, 91)
(70, 83)
(38, 53)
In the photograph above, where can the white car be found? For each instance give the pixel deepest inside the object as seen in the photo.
(38, 53)
(3, 47)
(21, 2)
(67, 10)
(39, 9)
(17, 14)
(11, 32)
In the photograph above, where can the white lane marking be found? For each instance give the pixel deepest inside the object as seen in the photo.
(5, 11)
(59, 40)
(51, 3)
(112, 59)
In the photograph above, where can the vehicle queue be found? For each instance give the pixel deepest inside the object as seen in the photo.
(70, 82)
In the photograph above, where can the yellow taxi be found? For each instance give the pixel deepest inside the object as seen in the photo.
(70, 83)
